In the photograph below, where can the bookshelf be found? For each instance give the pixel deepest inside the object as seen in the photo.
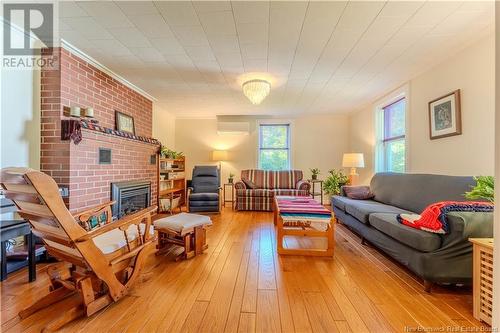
(171, 184)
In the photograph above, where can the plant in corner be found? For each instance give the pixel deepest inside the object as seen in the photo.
(484, 189)
(314, 173)
(230, 178)
(335, 180)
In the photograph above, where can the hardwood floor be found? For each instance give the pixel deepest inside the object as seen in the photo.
(241, 285)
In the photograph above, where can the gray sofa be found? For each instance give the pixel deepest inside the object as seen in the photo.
(434, 257)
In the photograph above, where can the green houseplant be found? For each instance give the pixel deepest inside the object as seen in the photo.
(168, 153)
(314, 173)
(335, 180)
(231, 177)
(484, 189)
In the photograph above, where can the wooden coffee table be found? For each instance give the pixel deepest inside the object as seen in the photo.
(305, 217)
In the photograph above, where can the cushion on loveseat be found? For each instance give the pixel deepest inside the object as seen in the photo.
(361, 209)
(417, 239)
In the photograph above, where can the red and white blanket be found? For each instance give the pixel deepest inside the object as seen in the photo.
(433, 218)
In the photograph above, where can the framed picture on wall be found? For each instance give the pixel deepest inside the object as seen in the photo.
(445, 117)
(124, 122)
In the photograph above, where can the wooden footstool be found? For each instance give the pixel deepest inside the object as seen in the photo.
(184, 229)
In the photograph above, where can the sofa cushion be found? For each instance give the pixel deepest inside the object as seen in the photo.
(259, 192)
(204, 197)
(270, 179)
(417, 239)
(415, 192)
(291, 192)
(361, 209)
(340, 201)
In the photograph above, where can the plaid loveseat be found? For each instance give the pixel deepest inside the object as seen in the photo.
(267, 185)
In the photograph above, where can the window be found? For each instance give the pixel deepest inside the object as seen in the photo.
(274, 146)
(392, 140)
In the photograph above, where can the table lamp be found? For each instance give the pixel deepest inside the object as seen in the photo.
(219, 156)
(353, 161)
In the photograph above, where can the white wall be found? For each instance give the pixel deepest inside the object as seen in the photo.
(317, 141)
(471, 153)
(164, 126)
(496, 228)
(20, 117)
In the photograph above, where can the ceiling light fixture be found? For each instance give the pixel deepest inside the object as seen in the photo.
(256, 90)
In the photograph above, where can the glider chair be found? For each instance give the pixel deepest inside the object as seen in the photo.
(97, 267)
(204, 191)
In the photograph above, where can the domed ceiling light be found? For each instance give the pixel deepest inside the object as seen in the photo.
(256, 90)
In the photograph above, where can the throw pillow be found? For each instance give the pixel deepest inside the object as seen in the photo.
(250, 184)
(358, 192)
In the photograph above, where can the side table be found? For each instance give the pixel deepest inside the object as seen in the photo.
(231, 186)
(482, 278)
(314, 192)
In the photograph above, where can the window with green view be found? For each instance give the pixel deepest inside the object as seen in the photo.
(394, 139)
(274, 147)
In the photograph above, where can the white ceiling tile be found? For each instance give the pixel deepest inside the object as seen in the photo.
(100, 11)
(130, 37)
(148, 54)
(211, 6)
(230, 60)
(112, 47)
(254, 51)
(167, 46)
(134, 8)
(197, 53)
(251, 11)
(191, 35)
(152, 26)
(253, 33)
(217, 23)
(224, 43)
(71, 9)
(87, 27)
(178, 13)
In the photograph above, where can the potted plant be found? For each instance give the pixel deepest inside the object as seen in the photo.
(334, 181)
(314, 173)
(231, 177)
(168, 153)
(484, 189)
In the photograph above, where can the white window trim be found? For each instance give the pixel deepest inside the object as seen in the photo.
(402, 92)
(271, 121)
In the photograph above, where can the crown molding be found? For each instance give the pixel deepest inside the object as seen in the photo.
(76, 51)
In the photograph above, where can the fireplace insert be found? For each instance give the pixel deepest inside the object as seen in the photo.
(130, 196)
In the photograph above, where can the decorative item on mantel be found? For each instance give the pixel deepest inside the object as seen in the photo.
(88, 112)
(75, 111)
(70, 126)
(71, 129)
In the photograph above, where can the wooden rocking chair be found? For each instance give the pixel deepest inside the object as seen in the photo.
(104, 262)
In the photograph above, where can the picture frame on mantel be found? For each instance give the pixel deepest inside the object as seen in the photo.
(445, 116)
(124, 122)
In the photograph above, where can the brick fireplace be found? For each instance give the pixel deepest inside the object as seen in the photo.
(76, 166)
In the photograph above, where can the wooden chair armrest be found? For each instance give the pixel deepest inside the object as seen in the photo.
(120, 224)
(94, 209)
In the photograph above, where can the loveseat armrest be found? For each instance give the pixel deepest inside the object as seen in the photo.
(240, 185)
(303, 185)
(465, 225)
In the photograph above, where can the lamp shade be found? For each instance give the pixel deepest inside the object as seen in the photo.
(219, 155)
(353, 160)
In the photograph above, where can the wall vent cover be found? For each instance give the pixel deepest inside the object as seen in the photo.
(104, 156)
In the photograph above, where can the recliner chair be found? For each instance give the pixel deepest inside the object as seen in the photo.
(204, 190)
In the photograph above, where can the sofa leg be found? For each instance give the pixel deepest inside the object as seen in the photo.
(428, 286)
(363, 241)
